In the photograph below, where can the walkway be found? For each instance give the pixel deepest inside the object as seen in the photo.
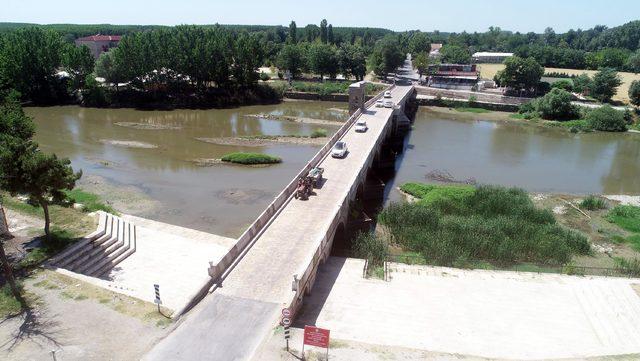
(495, 314)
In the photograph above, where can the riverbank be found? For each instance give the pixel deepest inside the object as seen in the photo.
(471, 113)
(614, 245)
(265, 140)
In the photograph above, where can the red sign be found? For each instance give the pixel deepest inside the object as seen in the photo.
(314, 336)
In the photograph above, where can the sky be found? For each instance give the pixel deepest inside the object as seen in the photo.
(425, 15)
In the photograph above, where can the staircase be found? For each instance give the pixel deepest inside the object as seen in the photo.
(102, 250)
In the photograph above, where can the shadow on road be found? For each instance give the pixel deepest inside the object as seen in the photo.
(325, 280)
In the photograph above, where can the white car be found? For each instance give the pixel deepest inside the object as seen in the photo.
(387, 94)
(388, 104)
(339, 150)
(361, 126)
(379, 103)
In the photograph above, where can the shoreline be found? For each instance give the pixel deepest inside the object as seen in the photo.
(265, 141)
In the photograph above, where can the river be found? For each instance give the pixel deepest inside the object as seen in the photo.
(163, 183)
(538, 159)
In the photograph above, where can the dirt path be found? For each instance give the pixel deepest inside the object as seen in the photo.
(78, 324)
(264, 141)
(296, 119)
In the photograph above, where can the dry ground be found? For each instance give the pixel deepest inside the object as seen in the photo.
(489, 70)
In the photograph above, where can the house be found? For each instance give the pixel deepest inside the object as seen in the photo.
(99, 44)
(453, 76)
(487, 57)
(435, 51)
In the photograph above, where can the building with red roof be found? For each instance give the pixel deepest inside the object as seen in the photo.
(99, 44)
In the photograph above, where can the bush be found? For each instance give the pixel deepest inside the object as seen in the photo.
(563, 84)
(630, 267)
(265, 77)
(606, 119)
(319, 133)
(605, 84)
(593, 203)
(373, 249)
(582, 83)
(250, 158)
(634, 93)
(491, 224)
(556, 105)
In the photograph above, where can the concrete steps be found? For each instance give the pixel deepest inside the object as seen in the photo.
(98, 253)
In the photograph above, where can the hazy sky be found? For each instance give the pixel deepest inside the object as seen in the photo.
(444, 15)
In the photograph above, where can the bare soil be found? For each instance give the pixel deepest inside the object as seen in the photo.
(79, 321)
(295, 119)
(128, 144)
(261, 142)
(147, 126)
(125, 198)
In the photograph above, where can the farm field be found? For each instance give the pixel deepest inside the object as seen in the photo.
(489, 70)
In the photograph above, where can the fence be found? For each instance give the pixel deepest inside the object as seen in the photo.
(569, 269)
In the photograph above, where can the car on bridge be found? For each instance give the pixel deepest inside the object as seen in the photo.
(379, 103)
(339, 150)
(387, 94)
(361, 126)
(388, 104)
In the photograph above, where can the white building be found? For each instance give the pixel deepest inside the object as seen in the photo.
(488, 57)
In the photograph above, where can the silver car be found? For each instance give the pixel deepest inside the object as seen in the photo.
(339, 150)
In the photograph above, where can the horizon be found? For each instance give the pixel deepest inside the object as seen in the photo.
(251, 12)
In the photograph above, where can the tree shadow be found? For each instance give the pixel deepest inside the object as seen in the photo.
(34, 327)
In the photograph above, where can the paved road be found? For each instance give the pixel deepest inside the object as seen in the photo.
(232, 322)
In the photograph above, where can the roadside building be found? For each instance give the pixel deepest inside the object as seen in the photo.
(488, 57)
(434, 53)
(99, 44)
(453, 76)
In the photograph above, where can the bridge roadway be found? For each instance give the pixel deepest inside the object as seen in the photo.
(231, 323)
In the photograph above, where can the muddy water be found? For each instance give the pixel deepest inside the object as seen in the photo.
(152, 152)
(534, 158)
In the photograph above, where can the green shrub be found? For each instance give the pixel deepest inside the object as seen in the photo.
(373, 249)
(319, 133)
(563, 84)
(626, 217)
(557, 105)
(607, 119)
(630, 267)
(9, 305)
(265, 77)
(593, 203)
(458, 227)
(250, 158)
(634, 93)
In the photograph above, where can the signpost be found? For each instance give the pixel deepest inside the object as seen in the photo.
(286, 322)
(314, 336)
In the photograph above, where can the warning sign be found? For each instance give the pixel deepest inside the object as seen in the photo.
(315, 336)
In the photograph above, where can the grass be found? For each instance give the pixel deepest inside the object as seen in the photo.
(67, 226)
(250, 158)
(634, 242)
(472, 110)
(459, 226)
(319, 133)
(593, 203)
(9, 305)
(73, 289)
(628, 266)
(90, 202)
(429, 193)
(626, 217)
(489, 70)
